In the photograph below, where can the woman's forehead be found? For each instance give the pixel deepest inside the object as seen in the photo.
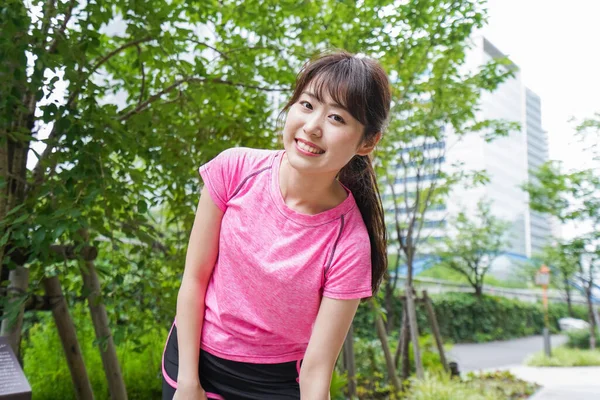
(327, 90)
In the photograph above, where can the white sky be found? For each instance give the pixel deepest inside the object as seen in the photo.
(557, 46)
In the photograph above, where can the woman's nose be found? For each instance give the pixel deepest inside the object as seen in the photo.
(313, 125)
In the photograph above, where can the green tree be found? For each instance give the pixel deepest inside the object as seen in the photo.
(115, 104)
(133, 97)
(585, 250)
(568, 196)
(434, 96)
(563, 266)
(573, 196)
(588, 132)
(477, 241)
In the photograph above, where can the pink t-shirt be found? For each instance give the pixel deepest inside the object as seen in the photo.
(275, 264)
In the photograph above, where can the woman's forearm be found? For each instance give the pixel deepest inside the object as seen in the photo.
(314, 383)
(190, 316)
(202, 252)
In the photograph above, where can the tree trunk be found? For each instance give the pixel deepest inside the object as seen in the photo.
(116, 385)
(435, 329)
(380, 326)
(400, 338)
(569, 301)
(403, 343)
(478, 290)
(16, 116)
(68, 339)
(389, 306)
(414, 331)
(412, 315)
(349, 363)
(19, 281)
(592, 320)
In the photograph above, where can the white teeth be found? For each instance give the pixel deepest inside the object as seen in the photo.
(308, 148)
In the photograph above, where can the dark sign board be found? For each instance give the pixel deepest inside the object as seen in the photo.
(13, 384)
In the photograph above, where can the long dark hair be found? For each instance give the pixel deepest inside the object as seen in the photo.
(362, 86)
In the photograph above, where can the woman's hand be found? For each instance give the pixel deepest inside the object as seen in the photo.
(190, 391)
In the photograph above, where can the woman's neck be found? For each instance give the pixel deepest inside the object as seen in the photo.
(309, 194)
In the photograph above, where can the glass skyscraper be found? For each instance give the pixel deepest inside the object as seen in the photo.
(506, 160)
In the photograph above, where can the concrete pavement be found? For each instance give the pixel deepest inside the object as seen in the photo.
(576, 383)
(499, 354)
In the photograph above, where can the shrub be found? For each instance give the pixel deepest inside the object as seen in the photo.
(565, 357)
(46, 368)
(444, 388)
(580, 339)
(462, 317)
(503, 383)
(371, 370)
(488, 386)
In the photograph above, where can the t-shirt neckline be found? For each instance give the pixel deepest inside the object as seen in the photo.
(304, 219)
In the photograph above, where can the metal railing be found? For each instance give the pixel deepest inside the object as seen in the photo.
(532, 295)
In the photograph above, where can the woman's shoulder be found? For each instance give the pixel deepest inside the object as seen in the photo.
(355, 231)
(247, 157)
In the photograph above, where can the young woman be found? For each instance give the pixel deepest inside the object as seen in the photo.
(284, 245)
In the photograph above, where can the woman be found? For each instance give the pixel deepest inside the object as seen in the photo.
(284, 245)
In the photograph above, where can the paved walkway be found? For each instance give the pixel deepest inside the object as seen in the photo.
(500, 354)
(578, 383)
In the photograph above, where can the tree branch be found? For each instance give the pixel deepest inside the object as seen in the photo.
(399, 229)
(118, 50)
(435, 170)
(103, 60)
(61, 31)
(223, 54)
(139, 49)
(413, 218)
(405, 182)
(432, 187)
(154, 97)
(38, 170)
(49, 13)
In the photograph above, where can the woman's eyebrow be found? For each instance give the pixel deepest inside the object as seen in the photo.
(335, 105)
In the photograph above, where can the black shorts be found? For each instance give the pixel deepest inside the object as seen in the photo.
(231, 380)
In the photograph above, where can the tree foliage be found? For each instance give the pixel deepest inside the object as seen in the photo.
(574, 196)
(114, 104)
(475, 243)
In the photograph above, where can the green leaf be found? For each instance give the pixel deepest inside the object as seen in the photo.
(20, 219)
(142, 207)
(15, 209)
(5, 237)
(39, 236)
(60, 229)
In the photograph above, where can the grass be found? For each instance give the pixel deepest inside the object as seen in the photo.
(489, 386)
(566, 357)
(440, 387)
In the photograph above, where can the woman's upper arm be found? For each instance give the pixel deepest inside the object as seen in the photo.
(203, 246)
(329, 332)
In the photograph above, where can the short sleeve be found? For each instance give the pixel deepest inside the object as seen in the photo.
(349, 274)
(221, 175)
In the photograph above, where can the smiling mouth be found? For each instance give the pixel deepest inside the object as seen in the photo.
(306, 147)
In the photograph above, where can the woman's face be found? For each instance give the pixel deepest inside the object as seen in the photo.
(321, 137)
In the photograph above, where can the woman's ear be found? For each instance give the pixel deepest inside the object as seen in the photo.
(368, 145)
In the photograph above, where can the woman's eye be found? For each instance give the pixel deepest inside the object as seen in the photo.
(337, 118)
(306, 104)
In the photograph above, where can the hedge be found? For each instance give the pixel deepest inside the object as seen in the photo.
(464, 318)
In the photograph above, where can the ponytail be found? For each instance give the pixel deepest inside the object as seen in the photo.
(359, 177)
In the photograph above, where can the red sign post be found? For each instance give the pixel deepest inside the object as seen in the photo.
(543, 278)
